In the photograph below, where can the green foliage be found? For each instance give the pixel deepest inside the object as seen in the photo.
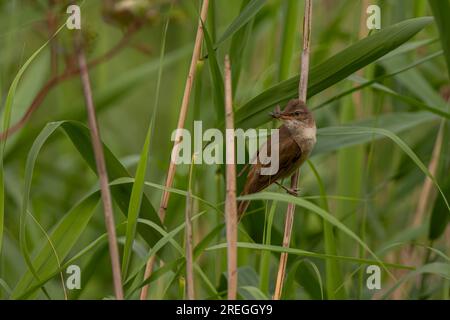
(359, 190)
(333, 70)
(439, 216)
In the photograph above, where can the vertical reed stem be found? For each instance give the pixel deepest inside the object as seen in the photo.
(302, 94)
(230, 204)
(184, 107)
(189, 250)
(101, 170)
(181, 120)
(190, 288)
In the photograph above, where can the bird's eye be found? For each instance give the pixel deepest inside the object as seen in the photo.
(297, 113)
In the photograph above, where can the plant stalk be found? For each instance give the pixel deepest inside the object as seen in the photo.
(302, 94)
(230, 204)
(181, 120)
(102, 172)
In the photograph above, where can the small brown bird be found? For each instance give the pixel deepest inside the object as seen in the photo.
(297, 137)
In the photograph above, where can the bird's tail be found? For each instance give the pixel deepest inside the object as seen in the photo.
(243, 205)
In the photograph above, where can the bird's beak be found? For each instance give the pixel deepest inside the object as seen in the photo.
(280, 115)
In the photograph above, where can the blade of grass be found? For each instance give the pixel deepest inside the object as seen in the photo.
(436, 268)
(439, 218)
(167, 237)
(6, 119)
(441, 13)
(64, 244)
(244, 17)
(395, 122)
(415, 82)
(405, 148)
(290, 280)
(264, 273)
(366, 83)
(180, 261)
(29, 169)
(138, 186)
(333, 70)
(304, 253)
(239, 42)
(107, 97)
(289, 38)
(332, 267)
(54, 252)
(79, 135)
(216, 77)
(405, 98)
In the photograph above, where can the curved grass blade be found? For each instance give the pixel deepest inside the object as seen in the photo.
(79, 135)
(439, 219)
(439, 216)
(64, 236)
(166, 238)
(45, 252)
(180, 261)
(333, 70)
(5, 286)
(394, 122)
(413, 80)
(244, 17)
(138, 185)
(108, 97)
(239, 41)
(294, 269)
(375, 83)
(102, 240)
(332, 267)
(409, 47)
(254, 292)
(319, 211)
(407, 99)
(7, 111)
(135, 203)
(172, 190)
(289, 37)
(406, 149)
(441, 13)
(304, 253)
(436, 268)
(58, 261)
(216, 77)
(264, 270)
(29, 170)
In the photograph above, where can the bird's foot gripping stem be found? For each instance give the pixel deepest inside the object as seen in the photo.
(294, 192)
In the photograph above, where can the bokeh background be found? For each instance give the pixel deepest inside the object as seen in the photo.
(372, 186)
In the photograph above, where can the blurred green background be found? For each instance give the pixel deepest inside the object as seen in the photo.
(372, 185)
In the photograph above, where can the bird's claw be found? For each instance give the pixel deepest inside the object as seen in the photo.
(295, 192)
(291, 191)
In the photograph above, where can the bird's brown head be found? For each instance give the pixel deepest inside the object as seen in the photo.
(294, 111)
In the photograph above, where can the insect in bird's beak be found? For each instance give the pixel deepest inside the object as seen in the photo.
(281, 115)
(276, 113)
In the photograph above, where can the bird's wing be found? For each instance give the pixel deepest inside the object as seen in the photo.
(289, 157)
